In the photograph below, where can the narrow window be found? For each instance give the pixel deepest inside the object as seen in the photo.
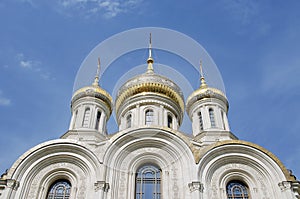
(170, 121)
(97, 120)
(223, 120)
(60, 189)
(86, 117)
(149, 117)
(75, 119)
(237, 190)
(212, 117)
(200, 121)
(147, 183)
(128, 121)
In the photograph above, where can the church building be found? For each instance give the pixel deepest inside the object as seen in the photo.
(148, 158)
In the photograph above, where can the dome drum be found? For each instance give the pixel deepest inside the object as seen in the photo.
(160, 104)
(153, 90)
(149, 87)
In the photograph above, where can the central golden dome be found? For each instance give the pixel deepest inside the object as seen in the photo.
(150, 87)
(147, 83)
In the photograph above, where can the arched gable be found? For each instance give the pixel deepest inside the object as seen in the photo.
(169, 150)
(242, 161)
(63, 159)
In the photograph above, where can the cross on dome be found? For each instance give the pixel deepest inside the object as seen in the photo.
(96, 80)
(150, 59)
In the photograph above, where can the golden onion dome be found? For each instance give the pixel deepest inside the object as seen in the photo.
(205, 92)
(150, 83)
(147, 83)
(94, 91)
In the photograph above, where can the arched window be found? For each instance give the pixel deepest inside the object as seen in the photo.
(212, 117)
(147, 183)
(237, 190)
(200, 120)
(128, 121)
(60, 189)
(170, 121)
(149, 117)
(97, 120)
(86, 117)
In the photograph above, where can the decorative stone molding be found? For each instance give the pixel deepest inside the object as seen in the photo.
(101, 185)
(296, 188)
(13, 184)
(284, 185)
(290, 185)
(196, 186)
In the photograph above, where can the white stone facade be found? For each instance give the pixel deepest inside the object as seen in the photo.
(104, 166)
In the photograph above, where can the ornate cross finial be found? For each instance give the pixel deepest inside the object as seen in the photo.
(150, 45)
(201, 70)
(202, 79)
(150, 59)
(96, 80)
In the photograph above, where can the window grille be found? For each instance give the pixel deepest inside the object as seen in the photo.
(237, 190)
(59, 190)
(148, 180)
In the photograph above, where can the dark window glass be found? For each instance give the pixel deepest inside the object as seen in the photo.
(200, 120)
(170, 121)
(97, 120)
(212, 117)
(149, 117)
(128, 121)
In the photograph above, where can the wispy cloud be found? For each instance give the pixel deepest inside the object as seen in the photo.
(4, 101)
(89, 8)
(248, 13)
(28, 1)
(27, 63)
(281, 75)
(244, 10)
(32, 65)
(105, 8)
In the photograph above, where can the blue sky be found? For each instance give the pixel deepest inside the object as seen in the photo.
(255, 44)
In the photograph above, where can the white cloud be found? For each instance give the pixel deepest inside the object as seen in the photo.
(3, 100)
(27, 63)
(46, 76)
(32, 65)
